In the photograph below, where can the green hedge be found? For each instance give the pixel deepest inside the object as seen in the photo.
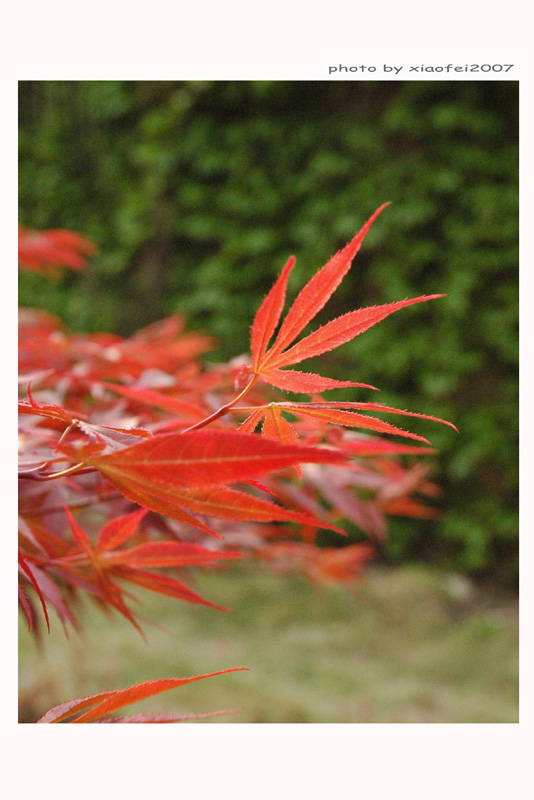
(197, 192)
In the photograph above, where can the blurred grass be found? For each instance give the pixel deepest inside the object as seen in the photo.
(404, 645)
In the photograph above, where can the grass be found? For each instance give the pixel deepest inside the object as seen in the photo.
(407, 645)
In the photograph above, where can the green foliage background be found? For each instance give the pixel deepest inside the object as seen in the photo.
(197, 192)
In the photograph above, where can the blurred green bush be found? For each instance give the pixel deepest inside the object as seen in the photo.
(197, 192)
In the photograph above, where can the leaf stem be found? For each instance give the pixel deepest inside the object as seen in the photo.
(223, 409)
(76, 468)
(66, 432)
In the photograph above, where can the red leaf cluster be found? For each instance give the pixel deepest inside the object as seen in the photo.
(138, 461)
(46, 251)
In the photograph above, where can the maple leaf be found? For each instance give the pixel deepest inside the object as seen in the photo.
(266, 362)
(203, 459)
(328, 413)
(45, 251)
(97, 568)
(95, 707)
(171, 473)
